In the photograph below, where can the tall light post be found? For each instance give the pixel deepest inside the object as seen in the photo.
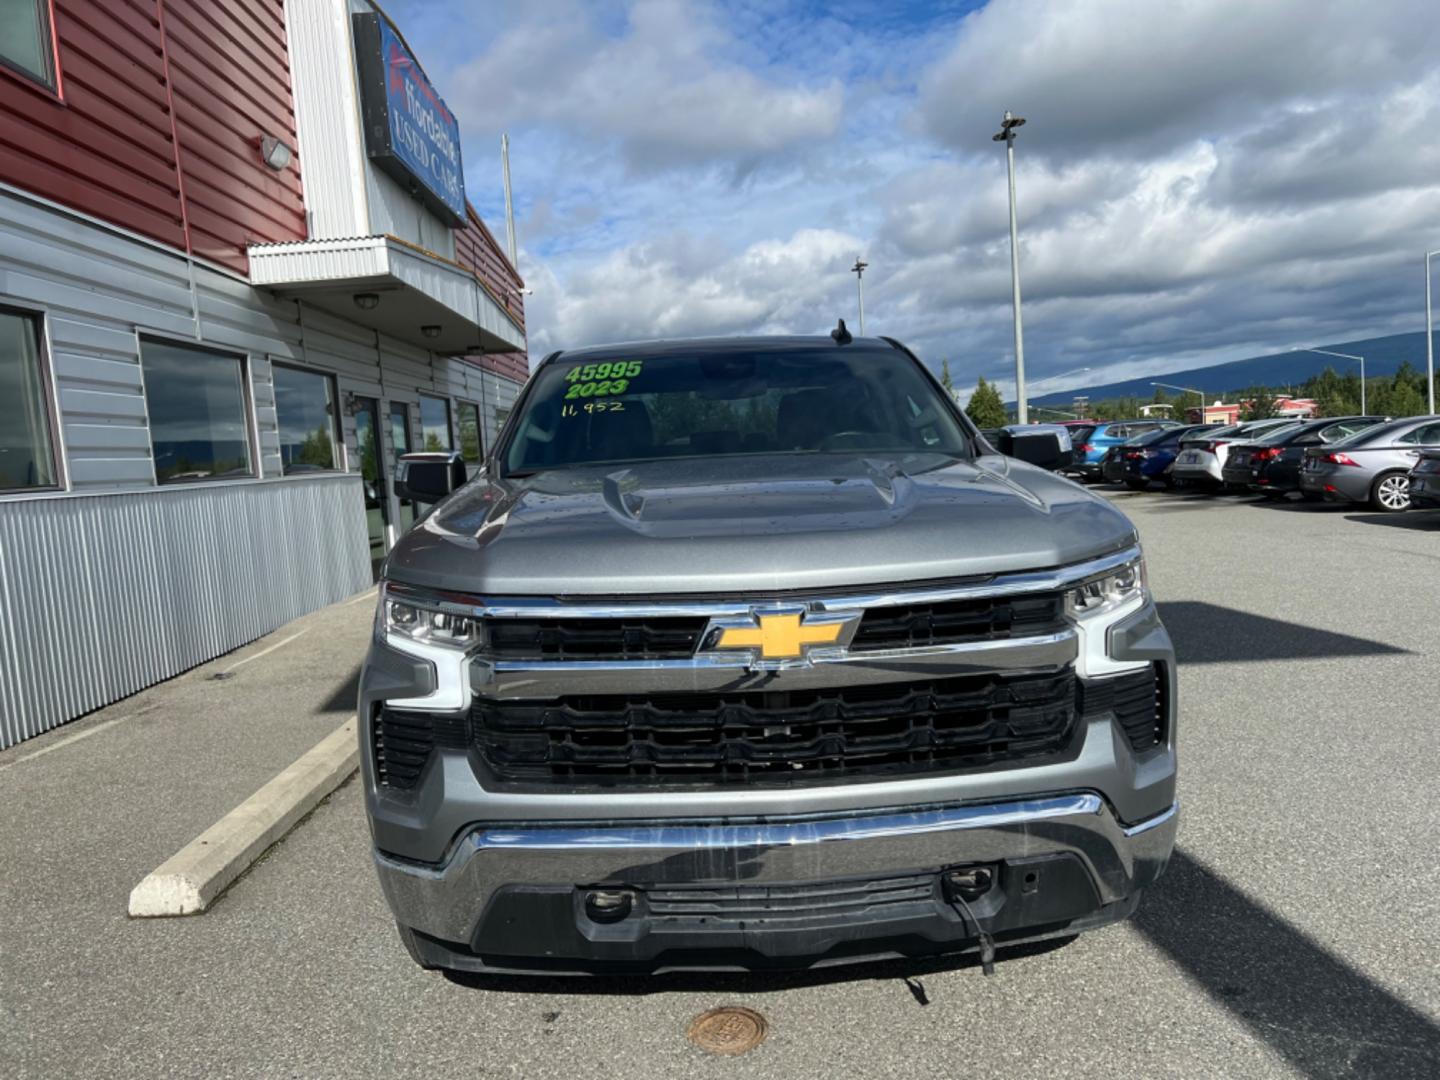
(1429, 337)
(1188, 390)
(1346, 356)
(1006, 134)
(859, 271)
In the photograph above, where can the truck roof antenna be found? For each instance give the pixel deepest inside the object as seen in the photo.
(841, 335)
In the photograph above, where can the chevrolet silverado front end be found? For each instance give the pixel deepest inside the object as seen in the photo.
(767, 660)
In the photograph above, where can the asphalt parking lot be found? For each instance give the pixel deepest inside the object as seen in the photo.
(1295, 933)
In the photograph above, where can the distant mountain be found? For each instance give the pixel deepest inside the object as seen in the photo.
(1383, 356)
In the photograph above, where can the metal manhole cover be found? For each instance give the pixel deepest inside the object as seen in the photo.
(730, 1029)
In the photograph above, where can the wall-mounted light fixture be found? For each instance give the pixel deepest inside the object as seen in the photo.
(431, 331)
(275, 153)
(350, 403)
(366, 301)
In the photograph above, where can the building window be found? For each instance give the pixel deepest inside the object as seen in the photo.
(469, 419)
(25, 43)
(305, 412)
(27, 452)
(196, 401)
(435, 424)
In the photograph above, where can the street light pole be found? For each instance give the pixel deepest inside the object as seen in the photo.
(1006, 134)
(1346, 356)
(1429, 337)
(859, 271)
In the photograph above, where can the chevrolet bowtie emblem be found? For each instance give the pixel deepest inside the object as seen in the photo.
(786, 634)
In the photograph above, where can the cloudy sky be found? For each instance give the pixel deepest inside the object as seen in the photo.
(1199, 180)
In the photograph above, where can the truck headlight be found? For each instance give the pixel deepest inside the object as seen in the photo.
(428, 620)
(1106, 592)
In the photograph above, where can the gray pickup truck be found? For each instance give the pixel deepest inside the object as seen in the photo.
(748, 653)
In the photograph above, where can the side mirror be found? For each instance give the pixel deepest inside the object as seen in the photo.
(1044, 447)
(428, 477)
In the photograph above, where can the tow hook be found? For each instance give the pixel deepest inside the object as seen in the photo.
(970, 883)
(962, 885)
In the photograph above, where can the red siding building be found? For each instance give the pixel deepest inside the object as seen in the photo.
(230, 297)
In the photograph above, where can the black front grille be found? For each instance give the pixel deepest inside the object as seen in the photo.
(594, 639)
(955, 621)
(1137, 700)
(902, 626)
(806, 903)
(780, 736)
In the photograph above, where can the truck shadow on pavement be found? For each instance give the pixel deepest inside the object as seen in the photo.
(1323, 1016)
(1211, 634)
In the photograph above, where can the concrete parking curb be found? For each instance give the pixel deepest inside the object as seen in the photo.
(190, 880)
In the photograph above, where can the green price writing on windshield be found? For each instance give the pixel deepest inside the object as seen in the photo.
(617, 369)
(597, 389)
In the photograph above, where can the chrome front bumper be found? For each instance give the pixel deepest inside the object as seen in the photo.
(448, 901)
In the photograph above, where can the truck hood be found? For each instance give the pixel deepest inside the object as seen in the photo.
(754, 525)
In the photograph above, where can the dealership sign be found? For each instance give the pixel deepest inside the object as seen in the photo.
(408, 130)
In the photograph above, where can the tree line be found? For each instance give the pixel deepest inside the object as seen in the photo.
(1335, 394)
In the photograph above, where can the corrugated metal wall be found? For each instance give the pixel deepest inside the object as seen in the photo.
(101, 596)
(72, 565)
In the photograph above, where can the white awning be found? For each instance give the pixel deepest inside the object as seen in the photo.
(416, 290)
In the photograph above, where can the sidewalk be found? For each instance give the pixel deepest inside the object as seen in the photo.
(92, 807)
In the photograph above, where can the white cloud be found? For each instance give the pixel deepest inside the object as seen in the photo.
(1105, 76)
(1200, 179)
(666, 89)
(678, 288)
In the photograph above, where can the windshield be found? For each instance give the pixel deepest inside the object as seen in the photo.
(1285, 434)
(1376, 433)
(708, 403)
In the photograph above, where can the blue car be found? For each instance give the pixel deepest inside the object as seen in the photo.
(1091, 447)
(1149, 457)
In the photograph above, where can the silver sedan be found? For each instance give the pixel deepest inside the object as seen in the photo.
(1372, 467)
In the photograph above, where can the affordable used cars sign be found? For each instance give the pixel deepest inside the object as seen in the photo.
(409, 131)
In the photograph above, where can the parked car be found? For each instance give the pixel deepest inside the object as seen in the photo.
(1372, 466)
(1112, 465)
(825, 680)
(1150, 457)
(1080, 436)
(1090, 451)
(1202, 456)
(1271, 465)
(1425, 481)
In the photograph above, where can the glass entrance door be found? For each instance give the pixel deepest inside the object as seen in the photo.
(367, 446)
(400, 436)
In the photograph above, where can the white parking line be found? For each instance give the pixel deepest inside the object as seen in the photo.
(262, 652)
(367, 595)
(58, 743)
